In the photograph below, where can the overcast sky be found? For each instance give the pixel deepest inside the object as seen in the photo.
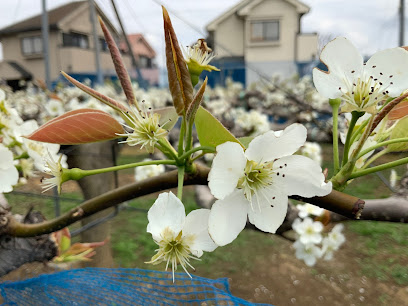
(370, 24)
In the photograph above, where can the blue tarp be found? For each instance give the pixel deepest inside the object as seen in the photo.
(98, 286)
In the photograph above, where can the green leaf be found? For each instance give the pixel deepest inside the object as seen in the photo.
(246, 140)
(399, 131)
(210, 131)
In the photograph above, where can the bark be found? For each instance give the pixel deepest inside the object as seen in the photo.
(94, 156)
(15, 251)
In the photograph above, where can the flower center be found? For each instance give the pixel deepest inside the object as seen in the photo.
(174, 250)
(365, 92)
(147, 130)
(256, 176)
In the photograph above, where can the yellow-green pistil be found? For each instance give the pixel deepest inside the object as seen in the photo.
(174, 250)
(256, 177)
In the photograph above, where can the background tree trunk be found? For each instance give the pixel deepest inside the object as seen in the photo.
(93, 156)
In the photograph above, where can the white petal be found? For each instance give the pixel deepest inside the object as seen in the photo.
(392, 62)
(301, 176)
(228, 218)
(344, 63)
(6, 157)
(197, 225)
(327, 84)
(167, 211)
(269, 215)
(8, 178)
(227, 167)
(268, 146)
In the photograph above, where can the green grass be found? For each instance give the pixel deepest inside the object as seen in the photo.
(383, 249)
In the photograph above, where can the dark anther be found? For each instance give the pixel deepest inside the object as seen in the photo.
(374, 66)
(352, 71)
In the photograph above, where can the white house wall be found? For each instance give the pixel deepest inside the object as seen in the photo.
(229, 37)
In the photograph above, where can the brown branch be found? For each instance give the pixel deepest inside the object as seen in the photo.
(344, 204)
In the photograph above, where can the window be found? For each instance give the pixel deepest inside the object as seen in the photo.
(145, 62)
(103, 45)
(264, 31)
(31, 45)
(75, 40)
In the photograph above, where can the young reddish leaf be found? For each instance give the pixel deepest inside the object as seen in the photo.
(120, 67)
(78, 127)
(104, 99)
(198, 98)
(399, 111)
(180, 85)
(210, 131)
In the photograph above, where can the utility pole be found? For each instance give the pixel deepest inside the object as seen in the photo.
(99, 76)
(401, 22)
(140, 79)
(44, 30)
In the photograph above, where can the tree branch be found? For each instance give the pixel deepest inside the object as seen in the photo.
(346, 205)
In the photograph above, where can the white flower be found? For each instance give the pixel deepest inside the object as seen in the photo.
(179, 237)
(8, 173)
(257, 182)
(333, 241)
(147, 130)
(40, 150)
(309, 209)
(361, 86)
(144, 172)
(313, 151)
(393, 178)
(56, 170)
(54, 107)
(309, 253)
(199, 56)
(308, 230)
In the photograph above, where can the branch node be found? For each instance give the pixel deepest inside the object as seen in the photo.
(358, 208)
(79, 212)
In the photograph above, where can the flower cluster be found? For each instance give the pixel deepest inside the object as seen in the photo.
(310, 236)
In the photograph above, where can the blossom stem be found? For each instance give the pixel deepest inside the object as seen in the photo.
(354, 117)
(382, 144)
(166, 147)
(76, 173)
(203, 148)
(180, 177)
(181, 137)
(335, 104)
(379, 168)
(362, 140)
(359, 130)
(374, 158)
(189, 139)
(23, 155)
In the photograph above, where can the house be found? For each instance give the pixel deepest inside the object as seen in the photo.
(145, 57)
(260, 38)
(71, 46)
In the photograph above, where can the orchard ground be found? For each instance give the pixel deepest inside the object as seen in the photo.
(371, 268)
